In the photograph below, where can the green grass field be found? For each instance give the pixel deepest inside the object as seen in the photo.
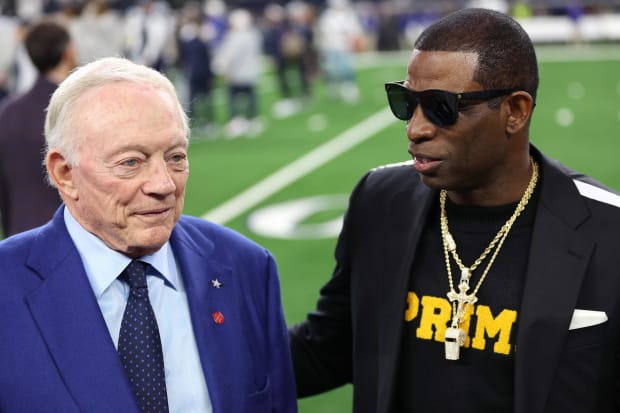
(577, 120)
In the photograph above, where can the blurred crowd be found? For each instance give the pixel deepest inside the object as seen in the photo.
(207, 43)
(212, 42)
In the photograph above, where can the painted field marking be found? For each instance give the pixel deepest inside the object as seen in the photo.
(300, 167)
(366, 129)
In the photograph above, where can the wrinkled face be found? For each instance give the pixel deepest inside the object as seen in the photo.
(130, 182)
(470, 155)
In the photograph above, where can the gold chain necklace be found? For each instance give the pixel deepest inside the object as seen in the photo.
(455, 336)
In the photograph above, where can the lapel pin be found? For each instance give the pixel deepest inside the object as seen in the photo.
(218, 317)
(216, 283)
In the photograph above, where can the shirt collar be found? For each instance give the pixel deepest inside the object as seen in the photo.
(103, 265)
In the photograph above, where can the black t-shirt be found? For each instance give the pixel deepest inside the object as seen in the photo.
(482, 379)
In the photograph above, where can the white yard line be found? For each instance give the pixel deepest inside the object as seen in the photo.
(301, 167)
(318, 157)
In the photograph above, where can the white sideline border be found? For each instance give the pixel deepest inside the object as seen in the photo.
(300, 167)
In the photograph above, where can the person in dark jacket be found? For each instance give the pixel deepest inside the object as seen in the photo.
(26, 200)
(481, 276)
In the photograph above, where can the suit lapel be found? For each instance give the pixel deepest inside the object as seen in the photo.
(409, 210)
(70, 321)
(68, 316)
(215, 319)
(558, 262)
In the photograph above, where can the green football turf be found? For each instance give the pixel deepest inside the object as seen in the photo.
(576, 121)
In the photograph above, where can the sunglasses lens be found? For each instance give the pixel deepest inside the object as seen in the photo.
(440, 108)
(401, 102)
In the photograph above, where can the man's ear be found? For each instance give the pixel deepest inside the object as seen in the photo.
(520, 107)
(61, 173)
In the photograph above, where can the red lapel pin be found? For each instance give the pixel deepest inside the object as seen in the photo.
(218, 317)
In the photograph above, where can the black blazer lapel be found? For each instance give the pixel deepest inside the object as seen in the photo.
(558, 260)
(409, 211)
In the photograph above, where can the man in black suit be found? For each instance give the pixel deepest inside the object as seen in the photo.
(482, 276)
(26, 200)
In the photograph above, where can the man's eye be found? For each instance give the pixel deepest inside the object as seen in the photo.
(130, 162)
(178, 162)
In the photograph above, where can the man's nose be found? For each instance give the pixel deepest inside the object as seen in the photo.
(159, 179)
(419, 127)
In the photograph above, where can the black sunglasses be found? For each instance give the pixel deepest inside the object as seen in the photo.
(439, 106)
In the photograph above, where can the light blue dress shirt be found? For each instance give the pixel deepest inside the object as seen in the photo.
(185, 382)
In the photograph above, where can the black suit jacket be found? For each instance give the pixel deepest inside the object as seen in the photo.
(26, 200)
(354, 334)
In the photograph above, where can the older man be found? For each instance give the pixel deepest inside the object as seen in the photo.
(120, 303)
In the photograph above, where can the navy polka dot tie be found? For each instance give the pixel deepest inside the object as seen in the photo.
(139, 345)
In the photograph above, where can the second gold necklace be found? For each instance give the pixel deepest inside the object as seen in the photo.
(455, 335)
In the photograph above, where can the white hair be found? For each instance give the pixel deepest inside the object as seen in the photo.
(59, 121)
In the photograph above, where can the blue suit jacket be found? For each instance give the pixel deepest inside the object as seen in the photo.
(56, 354)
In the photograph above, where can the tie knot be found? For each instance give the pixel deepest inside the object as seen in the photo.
(135, 275)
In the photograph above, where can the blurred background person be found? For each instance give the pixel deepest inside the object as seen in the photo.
(288, 42)
(25, 73)
(195, 61)
(148, 31)
(238, 62)
(26, 200)
(388, 27)
(29, 10)
(95, 31)
(8, 49)
(215, 22)
(340, 36)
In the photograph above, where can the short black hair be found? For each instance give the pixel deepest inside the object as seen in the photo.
(45, 43)
(506, 56)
